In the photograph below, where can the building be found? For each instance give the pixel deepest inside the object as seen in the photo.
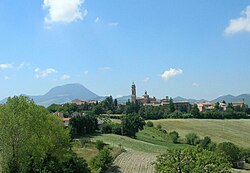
(239, 104)
(202, 106)
(133, 95)
(146, 100)
(78, 102)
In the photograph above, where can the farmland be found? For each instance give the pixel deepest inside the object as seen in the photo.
(141, 152)
(236, 131)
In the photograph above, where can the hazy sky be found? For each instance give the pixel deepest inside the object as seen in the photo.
(193, 49)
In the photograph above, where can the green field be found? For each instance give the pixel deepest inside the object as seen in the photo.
(236, 131)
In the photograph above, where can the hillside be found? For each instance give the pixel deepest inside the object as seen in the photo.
(63, 94)
(236, 131)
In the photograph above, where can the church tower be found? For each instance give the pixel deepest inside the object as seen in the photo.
(133, 95)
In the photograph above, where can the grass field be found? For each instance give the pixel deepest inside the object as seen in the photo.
(236, 131)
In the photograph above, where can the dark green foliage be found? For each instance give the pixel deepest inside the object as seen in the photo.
(231, 151)
(204, 143)
(110, 127)
(158, 126)
(150, 124)
(171, 105)
(195, 111)
(102, 161)
(83, 125)
(100, 144)
(193, 160)
(174, 136)
(192, 139)
(51, 164)
(131, 124)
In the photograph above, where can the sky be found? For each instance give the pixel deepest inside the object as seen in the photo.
(194, 49)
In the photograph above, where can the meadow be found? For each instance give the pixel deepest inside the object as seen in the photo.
(236, 131)
(142, 151)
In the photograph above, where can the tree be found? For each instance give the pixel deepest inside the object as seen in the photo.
(217, 106)
(131, 124)
(192, 139)
(30, 135)
(100, 144)
(171, 105)
(195, 111)
(193, 160)
(204, 143)
(82, 125)
(174, 136)
(231, 151)
(102, 161)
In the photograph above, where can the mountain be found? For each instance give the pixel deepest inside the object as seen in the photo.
(123, 99)
(231, 98)
(63, 94)
(189, 100)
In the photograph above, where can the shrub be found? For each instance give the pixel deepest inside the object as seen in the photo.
(150, 124)
(100, 144)
(204, 143)
(231, 151)
(159, 127)
(174, 136)
(84, 141)
(102, 161)
(192, 139)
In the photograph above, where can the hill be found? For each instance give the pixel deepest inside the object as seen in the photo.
(236, 131)
(231, 98)
(63, 94)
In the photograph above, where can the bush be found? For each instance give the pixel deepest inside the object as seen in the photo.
(204, 143)
(192, 139)
(84, 141)
(174, 136)
(102, 161)
(159, 127)
(231, 151)
(150, 124)
(100, 144)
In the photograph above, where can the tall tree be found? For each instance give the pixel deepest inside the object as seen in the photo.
(29, 133)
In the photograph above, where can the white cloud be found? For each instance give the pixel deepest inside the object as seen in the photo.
(240, 24)
(195, 84)
(113, 24)
(146, 79)
(5, 66)
(64, 11)
(171, 73)
(23, 65)
(105, 68)
(65, 77)
(42, 74)
(97, 20)
(6, 77)
(86, 72)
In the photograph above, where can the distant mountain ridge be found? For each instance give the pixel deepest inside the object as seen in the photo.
(63, 94)
(67, 93)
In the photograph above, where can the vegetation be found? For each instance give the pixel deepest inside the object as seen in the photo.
(174, 136)
(131, 124)
(32, 140)
(102, 161)
(235, 131)
(192, 139)
(100, 145)
(83, 125)
(192, 160)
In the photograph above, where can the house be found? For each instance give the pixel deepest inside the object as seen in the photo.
(66, 121)
(205, 106)
(59, 114)
(78, 102)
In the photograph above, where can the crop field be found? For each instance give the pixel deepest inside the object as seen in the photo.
(141, 152)
(133, 161)
(236, 131)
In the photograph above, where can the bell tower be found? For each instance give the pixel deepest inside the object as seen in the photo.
(133, 94)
